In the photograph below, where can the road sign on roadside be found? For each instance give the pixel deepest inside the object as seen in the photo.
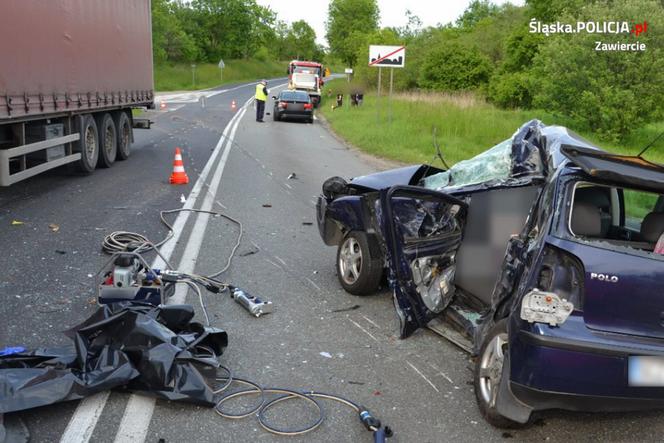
(221, 64)
(348, 71)
(387, 56)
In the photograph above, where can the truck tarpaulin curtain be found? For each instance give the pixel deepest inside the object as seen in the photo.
(155, 350)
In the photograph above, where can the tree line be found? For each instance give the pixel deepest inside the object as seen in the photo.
(491, 51)
(209, 30)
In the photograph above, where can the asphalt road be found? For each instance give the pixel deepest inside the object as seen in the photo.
(318, 338)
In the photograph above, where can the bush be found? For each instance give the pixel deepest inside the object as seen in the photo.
(511, 90)
(609, 92)
(454, 67)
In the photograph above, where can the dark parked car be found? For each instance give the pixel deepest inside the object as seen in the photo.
(293, 104)
(541, 256)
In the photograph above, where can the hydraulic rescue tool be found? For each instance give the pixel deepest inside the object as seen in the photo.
(254, 305)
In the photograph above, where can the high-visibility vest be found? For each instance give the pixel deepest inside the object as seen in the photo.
(260, 95)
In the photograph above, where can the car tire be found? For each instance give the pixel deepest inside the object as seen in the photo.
(488, 375)
(359, 273)
(108, 140)
(311, 120)
(88, 144)
(123, 131)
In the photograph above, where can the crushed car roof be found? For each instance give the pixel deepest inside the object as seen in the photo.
(535, 150)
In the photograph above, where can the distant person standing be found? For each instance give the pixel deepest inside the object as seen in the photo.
(340, 102)
(261, 97)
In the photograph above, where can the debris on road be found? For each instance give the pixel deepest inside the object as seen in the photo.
(17, 223)
(249, 252)
(325, 354)
(53, 227)
(267, 205)
(292, 176)
(60, 251)
(350, 308)
(307, 223)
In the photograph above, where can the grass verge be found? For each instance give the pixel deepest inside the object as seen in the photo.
(178, 77)
(465, 125)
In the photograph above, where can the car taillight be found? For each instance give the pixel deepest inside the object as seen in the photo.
(283, 105)
(308, 106)
(558, 288)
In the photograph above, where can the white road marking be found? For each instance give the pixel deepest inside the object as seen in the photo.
(87, 413)
(83, 422)
(422, 375)
(138, 413)
(370, 321)
(363, 330)
(274, 264)
(280, 260)
(313, 284)
(441, 373)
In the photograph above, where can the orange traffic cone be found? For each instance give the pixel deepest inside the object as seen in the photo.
(178, 177)
(233, 105)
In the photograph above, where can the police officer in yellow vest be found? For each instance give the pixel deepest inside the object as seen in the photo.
(261, 97)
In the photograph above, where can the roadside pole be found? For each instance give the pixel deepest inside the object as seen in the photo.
(380, 77)
(193, 75)
(221, 66)
(390, 96)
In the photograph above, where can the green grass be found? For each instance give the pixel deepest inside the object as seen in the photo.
(466, 126)
(178, 77)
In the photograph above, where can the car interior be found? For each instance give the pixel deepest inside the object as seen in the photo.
(493, 217)
(619, 216)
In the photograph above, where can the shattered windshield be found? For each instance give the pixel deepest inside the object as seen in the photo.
(494, 164)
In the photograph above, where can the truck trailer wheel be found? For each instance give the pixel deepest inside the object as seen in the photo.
(123, 131)
(88, 145)
(108, 140)
(359, 273)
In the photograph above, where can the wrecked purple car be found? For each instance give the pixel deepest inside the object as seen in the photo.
(541, 256)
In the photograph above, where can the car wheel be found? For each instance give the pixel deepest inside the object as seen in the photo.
(123, 130)
(275, 116)
(108, 140)
(311, 120)
(88, 144)
(359, 273)
(489, 373)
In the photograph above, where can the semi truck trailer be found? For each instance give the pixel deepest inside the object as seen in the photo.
(71, 73)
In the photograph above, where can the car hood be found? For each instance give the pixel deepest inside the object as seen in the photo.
(386, 179)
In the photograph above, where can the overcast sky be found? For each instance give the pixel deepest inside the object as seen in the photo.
(392, 13)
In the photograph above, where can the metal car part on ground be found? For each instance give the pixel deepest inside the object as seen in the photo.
(523, 255)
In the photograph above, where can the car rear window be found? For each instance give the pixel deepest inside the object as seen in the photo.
(294, 96)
